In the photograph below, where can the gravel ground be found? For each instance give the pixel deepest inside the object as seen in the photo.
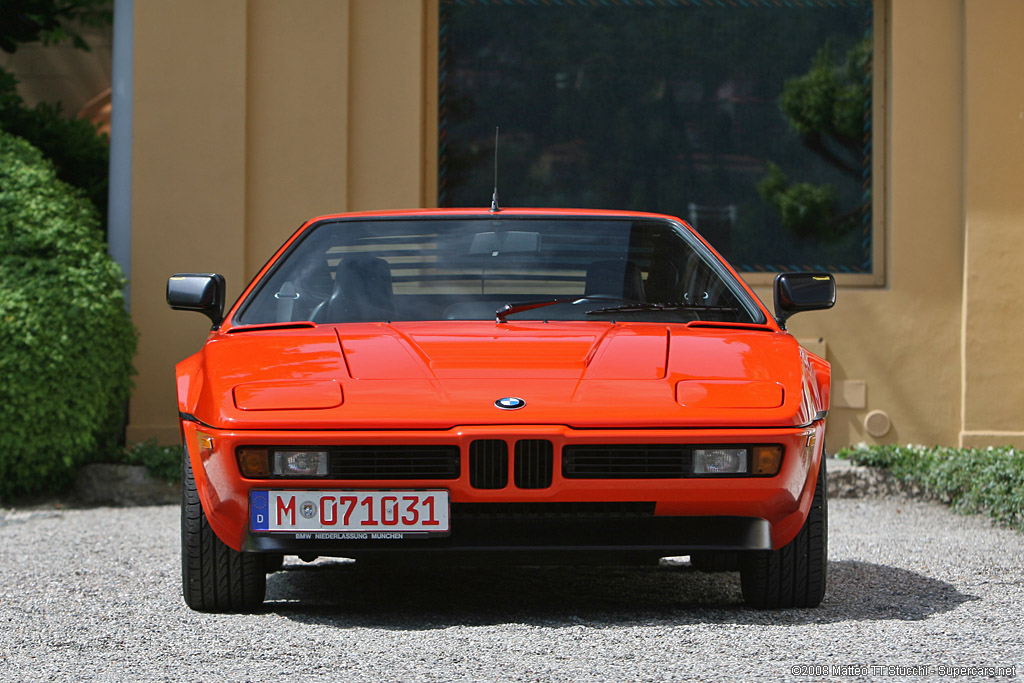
(94, 594)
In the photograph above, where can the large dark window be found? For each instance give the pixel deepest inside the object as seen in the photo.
(749, 118)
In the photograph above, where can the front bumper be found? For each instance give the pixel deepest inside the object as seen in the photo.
(648, 516)
(525, 539)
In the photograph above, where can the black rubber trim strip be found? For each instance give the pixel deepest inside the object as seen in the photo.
(299, 324)
(187, 417)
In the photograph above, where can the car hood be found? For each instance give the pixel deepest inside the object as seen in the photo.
(443, 375)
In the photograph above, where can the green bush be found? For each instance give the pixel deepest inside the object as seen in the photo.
(988, 481)
(79, 155)
(66, 341)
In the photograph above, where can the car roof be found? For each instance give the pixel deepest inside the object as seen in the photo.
(487, 213)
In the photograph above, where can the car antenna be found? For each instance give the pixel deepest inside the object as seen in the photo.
(494, 197)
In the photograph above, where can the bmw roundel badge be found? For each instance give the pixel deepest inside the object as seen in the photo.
(510, 403)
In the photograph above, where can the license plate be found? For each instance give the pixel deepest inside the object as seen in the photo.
(349, 511)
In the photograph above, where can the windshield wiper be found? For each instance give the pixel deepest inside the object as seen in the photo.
(643, 306)
(512, 309)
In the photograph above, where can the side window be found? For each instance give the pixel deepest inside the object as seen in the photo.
(301, 290)
(703, 287)
(296, 290)
(676, 274)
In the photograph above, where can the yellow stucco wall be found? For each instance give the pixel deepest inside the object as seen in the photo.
(188, 182)
(993, 331)
(265, 113)
(296, 119)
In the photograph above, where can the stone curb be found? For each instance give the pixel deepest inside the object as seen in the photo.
(123, 486)
(131, 485)
(847, 480)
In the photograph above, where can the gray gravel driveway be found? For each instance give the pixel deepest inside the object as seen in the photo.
(93, 594)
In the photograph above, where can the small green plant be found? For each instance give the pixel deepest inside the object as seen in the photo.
(66, 340)
(162, 462)
(972, 480)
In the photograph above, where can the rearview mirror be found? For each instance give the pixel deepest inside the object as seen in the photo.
(201, 292)
(511, 242)
(796, 292)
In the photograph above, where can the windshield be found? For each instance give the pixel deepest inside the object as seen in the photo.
(425, 268)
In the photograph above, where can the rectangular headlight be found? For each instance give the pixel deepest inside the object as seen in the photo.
(720, 461)
(300, 463)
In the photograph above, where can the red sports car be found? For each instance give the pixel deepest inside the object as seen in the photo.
(527, 386)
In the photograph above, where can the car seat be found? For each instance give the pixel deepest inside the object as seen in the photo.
(362, 290)
(615, 278)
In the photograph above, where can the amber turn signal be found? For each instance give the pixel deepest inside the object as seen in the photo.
(767, 460)
(254, 463)
(205, 445)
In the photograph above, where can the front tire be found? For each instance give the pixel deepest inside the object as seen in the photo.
(214, 577)
(795, 574)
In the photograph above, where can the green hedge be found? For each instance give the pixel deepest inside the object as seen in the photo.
(988, 481)
(66, 341)
(79, 155)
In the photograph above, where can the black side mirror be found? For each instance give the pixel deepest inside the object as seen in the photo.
(202, 292)
(796, 292)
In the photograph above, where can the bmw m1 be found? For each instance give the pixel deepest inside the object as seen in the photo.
(520, 385)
